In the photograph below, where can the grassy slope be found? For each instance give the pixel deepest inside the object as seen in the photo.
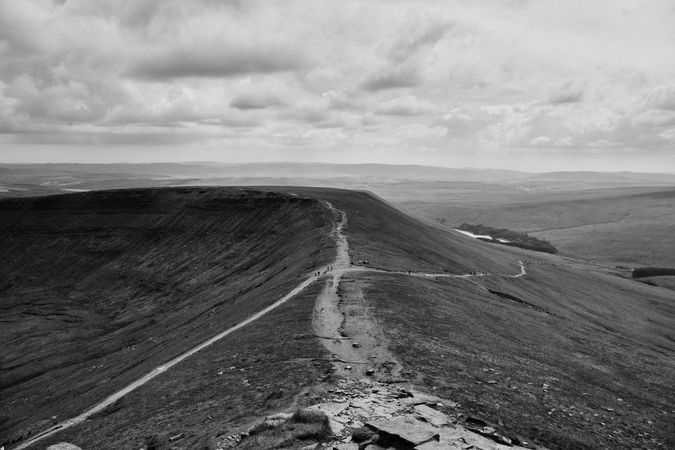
(388, 239)
(592, 338)
(667, 282)
(98, 288)
(642, 234)
(220, 391)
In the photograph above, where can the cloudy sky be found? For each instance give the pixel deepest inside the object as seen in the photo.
(534, 85)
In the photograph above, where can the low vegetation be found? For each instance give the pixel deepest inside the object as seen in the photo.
(304, 426)
(566, 359)
(562, 357)
(388, 239)
(643, 272)
(508, 237)
(224, 390)
(98, 288)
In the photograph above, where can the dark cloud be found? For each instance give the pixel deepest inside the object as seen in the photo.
(310, 115)
(215, 63)
(255, 101)
(662, 98)
(409, 44)
(403, 58)
(392, 79)
(569, 92)
(180, 115)
(75, 136)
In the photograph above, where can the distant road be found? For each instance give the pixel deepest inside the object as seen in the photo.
(522, 272)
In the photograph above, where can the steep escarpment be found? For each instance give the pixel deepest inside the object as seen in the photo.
(98, 288)
(389, 239)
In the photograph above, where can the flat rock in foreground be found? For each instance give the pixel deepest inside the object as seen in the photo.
(403, 431)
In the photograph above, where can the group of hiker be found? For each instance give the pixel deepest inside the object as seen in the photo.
(319, 273)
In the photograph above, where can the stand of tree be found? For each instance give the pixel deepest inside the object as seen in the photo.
(640, 272)
(514, 238)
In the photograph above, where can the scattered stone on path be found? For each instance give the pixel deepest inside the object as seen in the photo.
(311, 447)
(432, 416)
(370, 372)
(363, 434)
(356, 345)
(403, 431)
(418, 398)
(346, 446)
(389, 416)
(433, 445)
(330, 408)
(474, 422)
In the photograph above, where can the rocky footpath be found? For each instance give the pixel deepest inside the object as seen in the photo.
(367, 414)
(366, 408)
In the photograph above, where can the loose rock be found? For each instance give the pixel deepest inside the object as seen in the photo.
(63, 446)
(402, 431)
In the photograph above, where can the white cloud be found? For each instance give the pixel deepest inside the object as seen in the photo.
(604, 143)
(451, 76)
(568, 92)
(408, 105)
(421, 132)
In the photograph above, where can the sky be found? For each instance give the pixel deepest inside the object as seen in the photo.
(532, 85)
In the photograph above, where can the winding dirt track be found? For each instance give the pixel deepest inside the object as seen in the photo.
(522, 272)
(325, 316)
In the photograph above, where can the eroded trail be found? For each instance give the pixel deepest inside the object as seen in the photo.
(368, 389)
(356, 346)
(341, 317)
(356, 269)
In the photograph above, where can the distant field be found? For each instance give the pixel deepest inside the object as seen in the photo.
(615, 226)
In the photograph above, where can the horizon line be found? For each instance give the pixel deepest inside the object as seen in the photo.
(110, 163)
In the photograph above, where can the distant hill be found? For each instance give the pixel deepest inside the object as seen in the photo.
(44, 179)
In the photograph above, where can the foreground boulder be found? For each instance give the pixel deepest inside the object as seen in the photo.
(402, 432)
